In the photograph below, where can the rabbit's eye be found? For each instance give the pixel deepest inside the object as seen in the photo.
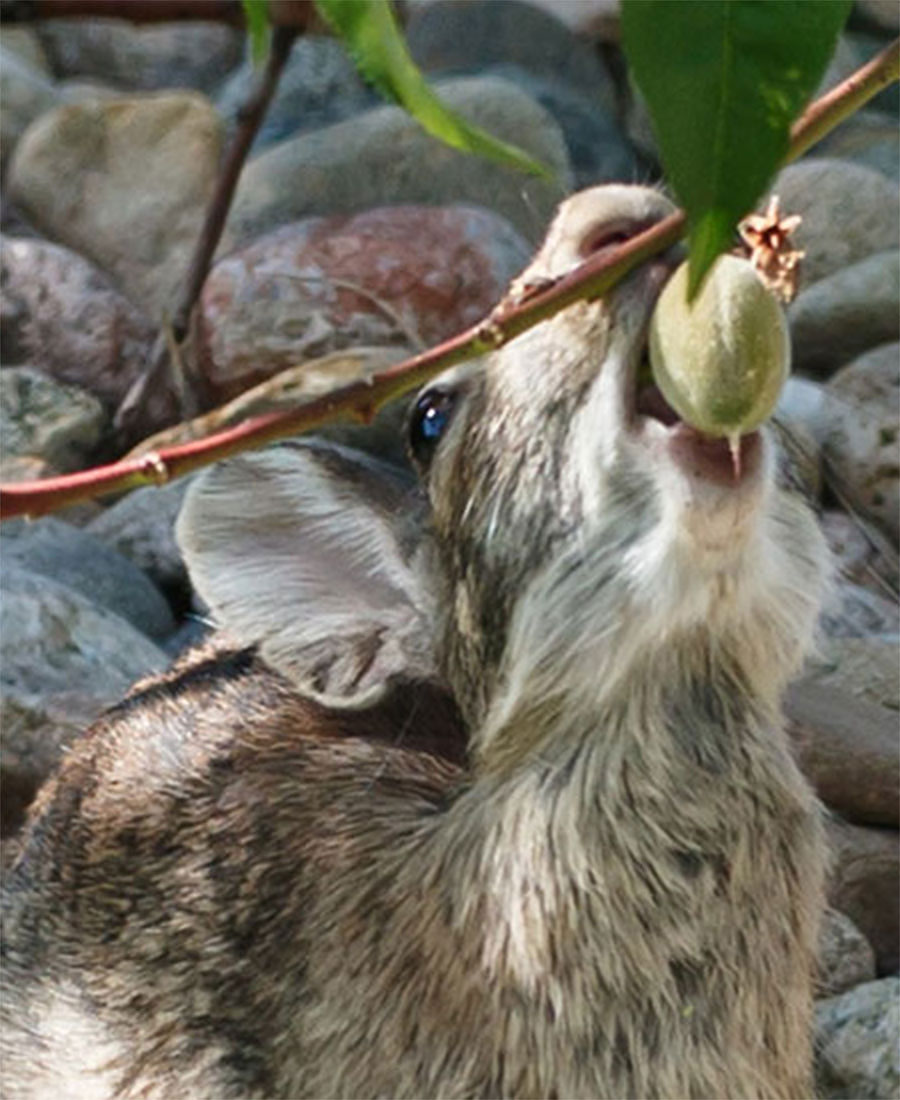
(430, 417)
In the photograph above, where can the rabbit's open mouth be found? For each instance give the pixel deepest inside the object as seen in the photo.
(706, 457)
(658, 427)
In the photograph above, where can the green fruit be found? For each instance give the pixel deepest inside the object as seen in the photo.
(721, 361)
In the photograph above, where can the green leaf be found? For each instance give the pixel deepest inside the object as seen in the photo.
(724, 80)
(373, 38)
(257, 17)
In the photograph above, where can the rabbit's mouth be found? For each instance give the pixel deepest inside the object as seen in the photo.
(701, 456)
(658, 429)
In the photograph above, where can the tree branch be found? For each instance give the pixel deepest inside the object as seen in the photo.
(250, 117)
(361, 400)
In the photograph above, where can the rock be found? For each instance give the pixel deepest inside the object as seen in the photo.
(62, 314)
(858, 1043)
(869, 138)
(383, 437)
(845, 314)
(318, 87)
(142, 58)
(845, 957)
(447, 38)
(861, 437)
(84, 564)
(193, 631)
(384, 158)
(24, 43)
(593, 19)
(884, 14)
(598, 149)
(867, 669)
(412, 274)
(865, 884)
(847, 748)
(855, 612)
(41, 418)
(25, 93)
(140, 526)
(863, 555)
(64, 659)
(532, 48)
(849, 212)
(125, 182)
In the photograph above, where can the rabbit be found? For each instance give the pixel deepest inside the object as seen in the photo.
(483, 788)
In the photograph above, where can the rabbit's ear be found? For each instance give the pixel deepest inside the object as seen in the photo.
(308, 552)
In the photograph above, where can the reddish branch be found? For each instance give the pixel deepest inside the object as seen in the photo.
(249, 120)
(292, 12)
(362, 399)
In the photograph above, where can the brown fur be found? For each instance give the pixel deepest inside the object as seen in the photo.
(589, 868)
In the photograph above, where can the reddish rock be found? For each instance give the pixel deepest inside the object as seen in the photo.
(397, 274)
(62, 315)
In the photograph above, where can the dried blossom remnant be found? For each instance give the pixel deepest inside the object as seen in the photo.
(767, 244)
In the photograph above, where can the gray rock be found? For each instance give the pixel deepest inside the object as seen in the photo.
(83, 563)
(40, 418)
(142, 58)
(864, 668)
(861, 440)
(848, 211)
(318, 87)
(24, 43)
(533, 49)
(598, 149)
(61, 314)
(846, 313)
(869, 138)
(884, 14)
(141, 527)
(856, 612)
(64, 660)
(25, 93)
(383, 158)
(858, 1043)
(448, 38)
(845, 956)
(864, 883)
(863, 554)
(125, 182)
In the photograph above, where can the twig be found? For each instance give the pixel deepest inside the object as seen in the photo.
(250, 117)
(362, 399)
(821, 117)
(134, 11)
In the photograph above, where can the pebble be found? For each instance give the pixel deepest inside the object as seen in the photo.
(849, 212)
(861, 438)
(318, 86)
(846, 313)
(865, 884)
(858, 1043)
(84, 564)
(62, 314)
(845, 957)
(64, 660)
(43, 419)
(142, 58)
(25, 94)
(383, 158)
(125, 182)
(412, 274)
(140, 526)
